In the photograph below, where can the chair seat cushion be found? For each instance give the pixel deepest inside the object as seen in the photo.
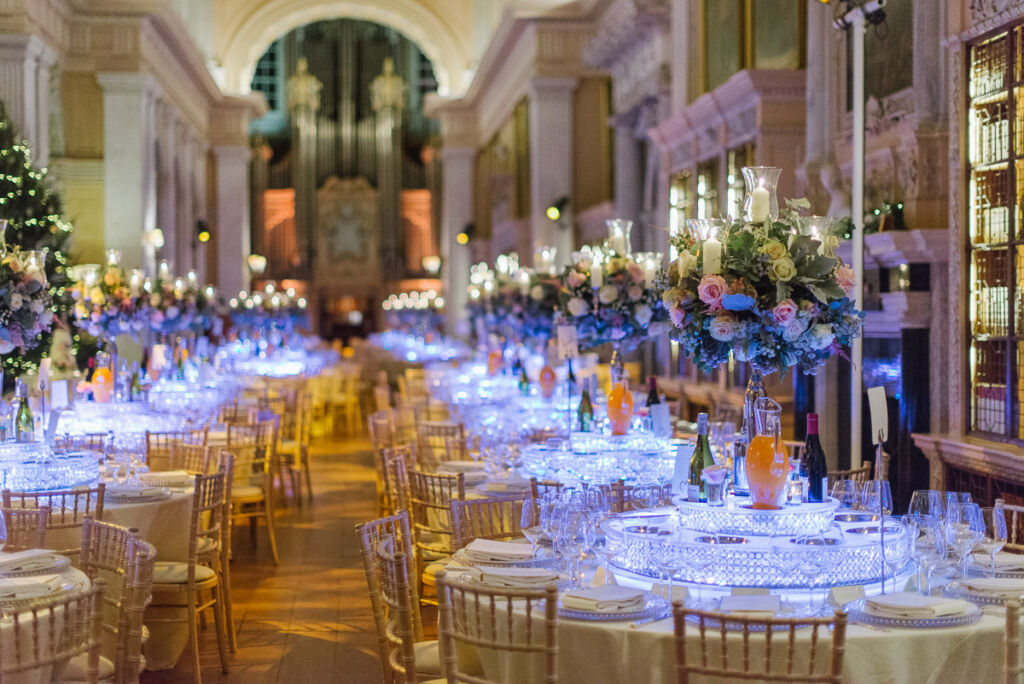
(246, 493)
(170, 572)
(76, 668)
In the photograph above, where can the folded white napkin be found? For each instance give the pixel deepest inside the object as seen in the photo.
(491, 550)
(752, 606)
(907, 604)
(514, 577)
(29, 587)
(609, 598)
(1003, 587)
(26, 561)
(165, 476)
(133, 492)
(460, 466)
(1005, 562)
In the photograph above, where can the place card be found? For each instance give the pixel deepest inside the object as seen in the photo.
(750, 591)
(599, 577)
(44, 374)
(879, 414)
(158, 358)
(661, 419)
(764, 603)
(51, 426)
(58, 395)
(568, 342)
(681, 472)
(840, 596)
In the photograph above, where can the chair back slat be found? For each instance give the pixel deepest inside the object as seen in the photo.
(26, 528)
(394, 476)
(393, 568)
(194, 458)
(431, 495)
(438, 441)
(731, 666)
(68, 507)
(494, 518)
(501, 620)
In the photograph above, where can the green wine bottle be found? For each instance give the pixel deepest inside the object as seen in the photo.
(135, 387)
(24, 425)
(585, 413)
(696, 488)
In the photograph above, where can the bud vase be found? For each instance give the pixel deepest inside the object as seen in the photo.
(762, 201)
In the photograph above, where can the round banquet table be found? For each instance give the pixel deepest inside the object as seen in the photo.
(40, 675)
(617, 652)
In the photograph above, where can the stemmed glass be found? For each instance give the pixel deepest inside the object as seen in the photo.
(607, 550)
(811, 564)
(646, 495)
(958, 497)
(783, 556)
(929, 549)
(576, 536)
(877, 494)
(699, 559)
(995, 535)
(926, 502)
(669, 559)
(961, 529)
(847, 493)
(898, 549)
(531, 521)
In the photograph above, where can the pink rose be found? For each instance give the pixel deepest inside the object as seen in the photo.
(635, 292)
(711, 290)
(676, 315)
(784, 312)
(635, 272)
(846, 279)
(576, 279)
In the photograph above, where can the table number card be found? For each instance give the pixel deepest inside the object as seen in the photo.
(840, 596)
(158, 359)
(681, 472)
(44, 374)
(879, 414)
(58, 395)
(568, 343)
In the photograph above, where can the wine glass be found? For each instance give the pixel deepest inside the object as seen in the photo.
(847, 493)
(531, 522)
(929, 549)
(646, 495)
(958, 497)
(926, 502)
(995, 535)
(810, 564)
(961, 530)
(576, 536)
(669, 559)
(699, 558)
(877, 495)
(607, 550)
(897, 548)
(783, 556)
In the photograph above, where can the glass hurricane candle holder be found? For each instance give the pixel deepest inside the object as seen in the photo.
(619, 236)
(762, 201)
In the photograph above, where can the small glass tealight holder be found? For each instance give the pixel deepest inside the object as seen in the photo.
(715, 478)
(795, 492)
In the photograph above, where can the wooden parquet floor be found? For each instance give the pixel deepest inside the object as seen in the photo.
(307, 620)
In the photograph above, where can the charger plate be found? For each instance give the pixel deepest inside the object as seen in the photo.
(858, 613)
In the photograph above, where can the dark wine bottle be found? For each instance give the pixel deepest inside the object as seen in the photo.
(585, 412)
(652, 392)
(813, 463)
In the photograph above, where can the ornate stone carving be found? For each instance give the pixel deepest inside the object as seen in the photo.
(304, 88)
(906, 171)
(346, 229)
(387, 89)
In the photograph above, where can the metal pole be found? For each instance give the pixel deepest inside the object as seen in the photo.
(857, 201)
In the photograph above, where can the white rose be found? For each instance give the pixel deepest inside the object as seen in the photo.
(723, 329)
(537, 293)
(822, 336)
(794, 329)
(15, 301)
(577, 307)
(36, 306)
(642, 314)
(685, 264)
(608, 294)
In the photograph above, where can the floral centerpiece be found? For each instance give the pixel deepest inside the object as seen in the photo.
(107, 301)
(270, 310)
(178, 305)
(512, 303)
(769, 292)
(25, 302)
(610, 298)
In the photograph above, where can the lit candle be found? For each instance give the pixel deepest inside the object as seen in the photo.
(165, 270)
(713, 255)
(596, 274)
(134, 282)
(524, 282)
(759, 204)
(617, 243)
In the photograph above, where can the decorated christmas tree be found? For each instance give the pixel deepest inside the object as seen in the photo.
(33, 213)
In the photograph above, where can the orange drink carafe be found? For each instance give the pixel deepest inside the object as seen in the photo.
(767, 465)
(547, 381)
(620, 408)
(102, 379)
(494, 362)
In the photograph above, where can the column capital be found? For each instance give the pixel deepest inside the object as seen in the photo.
(22, 46)
(553, 85)
(128, 83)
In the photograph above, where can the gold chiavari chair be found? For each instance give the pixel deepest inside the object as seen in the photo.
(293, 447)
(396, 597)
(439, 441)
(158, 445)
(185, 583)
(478, 618)
(346, 401)
(540, 488)
(495, 518)
(68, 508)
(125, 563)
(707, 646)
(794, 448)
(92, 441)
(430, 496)
(193, 458)
(862, 474)
(382, 429)
(252, 495)
(403, 421)
(394, 475)
(1013, 666)
(26, 528)
(382, 396)
(235, 414)
(34, 642)
(219, 555)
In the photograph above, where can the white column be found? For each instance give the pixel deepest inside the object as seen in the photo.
(184, 190)
(551, 160)
(25, 63)
(200, 189)
(232, 163)
(456, 212)
(129, 164)
(167, 190)
(629, 177)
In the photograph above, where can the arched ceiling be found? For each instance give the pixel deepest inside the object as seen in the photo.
(441, 28)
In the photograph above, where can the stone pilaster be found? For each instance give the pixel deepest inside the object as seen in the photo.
(167, 183)
(389, 191)
(551, 160)
(232, 216)
(456, 212)
(129, 164)
(25, 64)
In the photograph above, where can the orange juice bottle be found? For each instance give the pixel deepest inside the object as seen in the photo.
(620, 408)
